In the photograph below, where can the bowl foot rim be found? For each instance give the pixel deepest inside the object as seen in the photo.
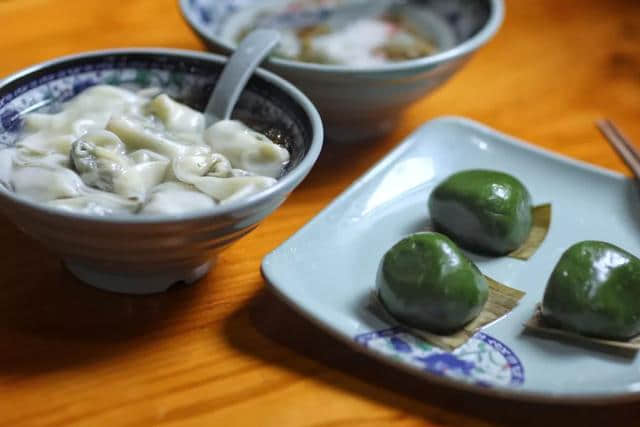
(136, 283)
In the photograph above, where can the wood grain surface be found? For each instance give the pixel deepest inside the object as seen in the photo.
(226, 352)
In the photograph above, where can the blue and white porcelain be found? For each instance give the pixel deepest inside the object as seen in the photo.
(142, 255)
(359, 104)
(327, 270)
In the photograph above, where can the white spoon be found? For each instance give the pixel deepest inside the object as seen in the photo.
(236, 73)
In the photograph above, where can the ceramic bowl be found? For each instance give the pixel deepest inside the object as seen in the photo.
(142, 255)
(358, 104)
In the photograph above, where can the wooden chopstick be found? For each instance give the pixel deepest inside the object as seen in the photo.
(627, 151)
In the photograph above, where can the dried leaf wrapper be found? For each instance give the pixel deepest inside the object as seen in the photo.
(502, 299)
(538, 324)
(539, 230)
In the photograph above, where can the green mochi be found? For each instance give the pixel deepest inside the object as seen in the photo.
(426, 282)
(594, 290)
(483, 211)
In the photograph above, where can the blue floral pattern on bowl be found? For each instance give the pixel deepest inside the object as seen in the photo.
(50, 90)
(189, 82)
(361, 104)
(463, 16)
(483, 360)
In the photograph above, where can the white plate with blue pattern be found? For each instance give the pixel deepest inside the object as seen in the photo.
(327, 270)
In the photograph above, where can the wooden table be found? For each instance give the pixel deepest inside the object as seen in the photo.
(227, 352)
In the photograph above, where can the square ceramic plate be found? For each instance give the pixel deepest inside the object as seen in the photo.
(327, 270)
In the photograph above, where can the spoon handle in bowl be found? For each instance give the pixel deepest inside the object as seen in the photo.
(239, 68)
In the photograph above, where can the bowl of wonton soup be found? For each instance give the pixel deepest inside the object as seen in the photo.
(363, 74)
(105, 159)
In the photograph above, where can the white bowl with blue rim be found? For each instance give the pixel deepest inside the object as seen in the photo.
(141, 255)
(362, 103)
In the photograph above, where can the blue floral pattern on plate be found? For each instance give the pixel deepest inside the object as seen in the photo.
(483, 360)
